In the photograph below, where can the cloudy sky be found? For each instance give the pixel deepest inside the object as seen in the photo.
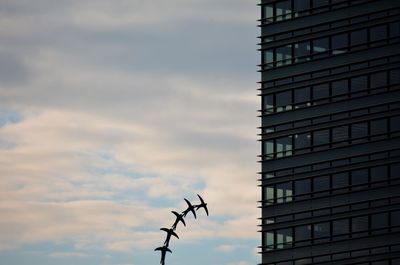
(113, 111)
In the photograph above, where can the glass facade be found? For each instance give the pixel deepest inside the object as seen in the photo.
(330, 132)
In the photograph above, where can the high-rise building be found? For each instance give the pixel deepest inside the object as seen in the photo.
(330, 90)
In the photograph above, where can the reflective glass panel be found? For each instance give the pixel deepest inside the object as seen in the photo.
(339, 43)
(302, 235)
(284, 238)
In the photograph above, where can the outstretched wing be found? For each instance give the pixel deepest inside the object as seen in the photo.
(179, 217)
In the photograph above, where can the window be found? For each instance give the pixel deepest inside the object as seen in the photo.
(378, 129)
(359, 130)
(269, 240)
(283, 10)
(340, 229)
(379, 174)
(377, 34)
(379, 221)
(321, 185)
(284, 146)
(283, 101)
(284, 55)
(358, 84)
(339, 43)
(302, 97)
(359, 39)
(394, 29)
(269, 103)
(359, 225)
(302, 51)
(321, 92)
(301, 7)
(340, 181)
(302, 188)
(340, 135)
(269, 195)
(359, 177)
(320, 138)
(269, 149)
(395, 124)
(378, 80)
(284, 238)
(302, 235)
(269, 58)
(395, 171)
(395, 218)
(320, 47)
(284, 192)
(321, 232)
(395, 76)
(302, 141)
(340, 87)
(269, 12)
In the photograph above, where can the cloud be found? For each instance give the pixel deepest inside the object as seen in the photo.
(68, 255)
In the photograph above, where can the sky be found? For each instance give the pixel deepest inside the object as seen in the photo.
(112, 112)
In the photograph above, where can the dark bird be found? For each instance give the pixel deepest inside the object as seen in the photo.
(170, 232)
(189, 209)
(179, 218)
(202, 204)
(163, 250)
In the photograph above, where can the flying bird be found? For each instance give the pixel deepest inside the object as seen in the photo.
(164, 250)
(189, 209)
(170, 232)
(179, 218)
(202, 204)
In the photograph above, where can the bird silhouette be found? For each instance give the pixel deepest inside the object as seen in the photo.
(179, 218)
(170, 232)
(164, 250)
(202, 204)
(189, 209)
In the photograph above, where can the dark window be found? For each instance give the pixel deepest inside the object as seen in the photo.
(283, 55)
(284, 146)
(269, 195)
(321, 185)
(395, 218)
(359, 225)
(269, 240)
(321, 92)
(340, 181)
(320, 138)
(340, 135)
(378, 129)
(359, 177)
(321, 232)
(379, 221)
(302, 188)
(269, 58)
(300, 7)
(302, 51)
(395, 171)
(269, 149)
(359, 130)
(378, 33)
(284, 192)
(302, 235)
(378, 79)
(358, 84)
(339, 43)
(380, 175)
(340, 228)
(358, 38)
(283, 101)
(395, 76)
(302, 97)
(394, 29)
(302, 141)
(269, 12)
(340, 87)
(269, 103)
(395, 124)
(320, 5)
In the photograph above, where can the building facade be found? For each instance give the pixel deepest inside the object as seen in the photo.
(330, 132)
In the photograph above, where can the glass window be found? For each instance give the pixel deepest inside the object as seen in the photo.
(321, 91)
(359, 83)
(378, 33)
(339, 43)
(302, 51)
(302, 235)
(269, 103)
(395, 76)
(302, 141)
(302, 188)
(379, 174)
(284, 55)
(359, 130)
(283, 101)
(378, 79)
(340, 228)
(321, 184)
(269, 195)
(320, 46)
(358, 225)
(283, 10)
(269, 12)
(340, 181)
(284, 146)
(359, 177)
(357, 38)
(321, 232)
(300, 7)
(320, 138)
(340, 135)
(269, 240)
(379, 221)
(393, 27)
(284, 192)
(379, 127)
(395, 218)
(269, 148)
(340, 87)
(284, 238)
(302, 97)
(395, 124)
(395, 171)
(269, 58)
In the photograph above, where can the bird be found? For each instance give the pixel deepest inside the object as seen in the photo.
(202, 204)
(170, 232)
(179, 218)
(189, 209)
(164, 250)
